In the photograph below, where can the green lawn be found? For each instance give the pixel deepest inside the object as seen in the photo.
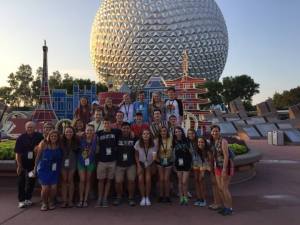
(7, 150)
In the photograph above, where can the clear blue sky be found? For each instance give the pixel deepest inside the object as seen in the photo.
(264, 38)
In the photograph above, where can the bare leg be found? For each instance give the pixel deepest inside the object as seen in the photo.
(87, 185)
(148, 181)
(161, 181)
(142, 183)
(45, 194)
(167, 181)
(100, 189)
(180, 187)
(226, 192)
(53, 191)
(216, 195)
(64, 186)
(198, 194)
(71, 187)
(202, 190)
(219, 188)
(107, 189)
(82, 176)
(185, 180)
(131, 189)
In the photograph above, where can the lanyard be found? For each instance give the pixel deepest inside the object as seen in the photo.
(146, 151)
(126, 111)
(163, 147)
(171, 102)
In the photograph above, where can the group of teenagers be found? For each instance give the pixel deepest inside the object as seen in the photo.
(130, 144)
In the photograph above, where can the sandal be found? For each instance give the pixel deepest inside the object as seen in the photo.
(79, 205)
(85, 204)
(214, 207)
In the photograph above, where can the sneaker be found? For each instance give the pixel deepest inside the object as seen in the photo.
(168, 200)
(117, 202)
(181, 201)
(185, 200)
(104, 203)
(131, 202)
(85, 204)
(227, 212)
(98, 204)
(44, 207)
(21, 205)
(197, 202)
(79, 204)
(202, 203)
(143, 202)
(28, 203)
(147, 201)
(52, 206)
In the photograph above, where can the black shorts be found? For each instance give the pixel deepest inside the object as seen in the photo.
(184, 168)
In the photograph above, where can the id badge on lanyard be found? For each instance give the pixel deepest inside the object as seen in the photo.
(108, 151)
(67, 163)
(54, 166)
(180, 162)
(30, 155)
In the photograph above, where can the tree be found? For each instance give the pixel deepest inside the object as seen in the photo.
(230, 88)
(6, 96)
(286, 98)
(24, 77)
(55, 80)
(215, 90)
(36, 85)
(242, 86)
(67, 83)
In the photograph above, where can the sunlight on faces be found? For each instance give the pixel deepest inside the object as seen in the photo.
(126, 98)
(53, 138)
(119, 116)
(201, 143)
(146, 135)
(178, 134)
(106, 125)
(89, 131)
(97, 115)
(164, 132)
(125, 130)
(191, 135)
(157, 115)
(108, 102)
(171, 94)
(173, 120)
(141, 96)
(83, 101)
(215, 133)
(69, 133)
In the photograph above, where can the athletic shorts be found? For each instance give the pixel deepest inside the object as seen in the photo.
(90, 168)
(230, 171)
(130, 173)
(106, 170)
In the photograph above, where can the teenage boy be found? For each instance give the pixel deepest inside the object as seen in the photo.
(141, 106)
(173, 105)
(125, 165)
(172, 124)
(127, 108)
(157, 123)
(138, 126)
(107, 140)
(25, 157)
(97, 120)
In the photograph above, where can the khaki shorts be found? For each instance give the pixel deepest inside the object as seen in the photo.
(130, 173)
(106, 170)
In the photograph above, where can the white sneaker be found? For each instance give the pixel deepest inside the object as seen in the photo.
(21, 205)
(28, 203)
(143, 202)
(147, 201)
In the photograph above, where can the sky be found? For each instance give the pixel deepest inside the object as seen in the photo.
(264, 39)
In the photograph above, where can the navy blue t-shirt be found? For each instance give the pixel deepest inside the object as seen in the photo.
(25, 145)
(107, 145)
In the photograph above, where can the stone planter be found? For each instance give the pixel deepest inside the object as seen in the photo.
(7, 168)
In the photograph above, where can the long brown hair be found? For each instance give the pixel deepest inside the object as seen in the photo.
(141, 140)
(48, 141)
(203, 152)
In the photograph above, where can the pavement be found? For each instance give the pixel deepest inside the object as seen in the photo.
(272, 197)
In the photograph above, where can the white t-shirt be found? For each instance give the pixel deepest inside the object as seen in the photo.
(174, 111)
(98, 126)
(128, 112)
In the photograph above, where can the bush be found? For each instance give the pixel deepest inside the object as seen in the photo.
(7, 150)
(238, 149)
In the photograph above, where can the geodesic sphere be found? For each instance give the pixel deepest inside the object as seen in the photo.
(132, 40)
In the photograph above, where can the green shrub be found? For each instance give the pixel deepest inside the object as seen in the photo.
(7, 150)
(238, 149)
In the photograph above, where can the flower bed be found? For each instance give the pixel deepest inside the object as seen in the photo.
(7, 150)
